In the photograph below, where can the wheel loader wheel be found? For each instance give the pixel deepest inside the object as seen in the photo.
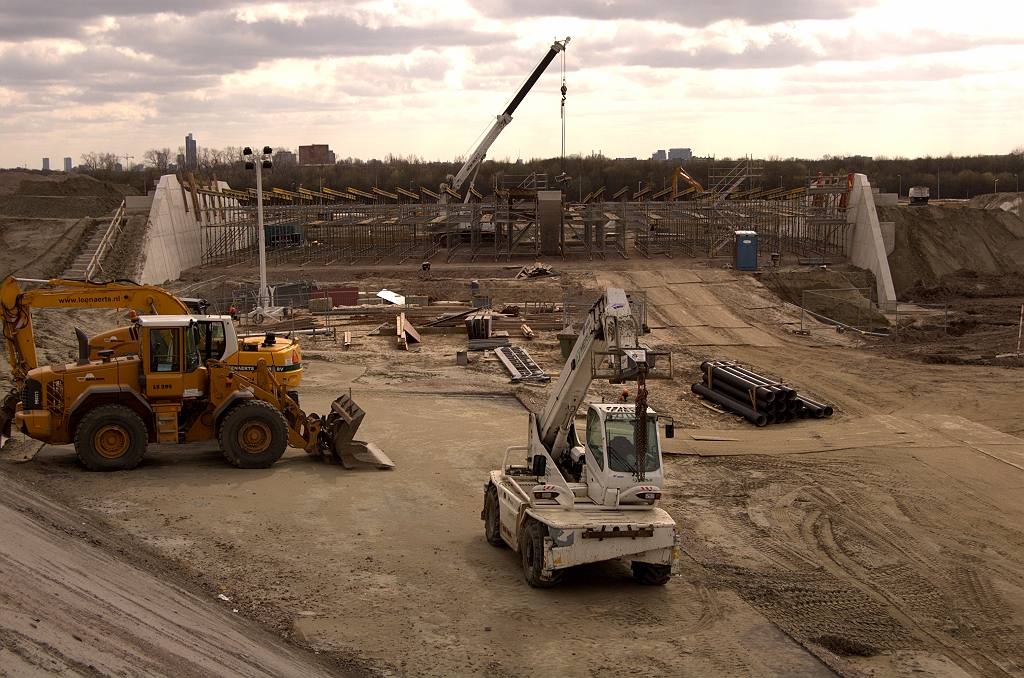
(651, 574)
(492, 517)
(253, 435)
(532, 550)
(111, 438)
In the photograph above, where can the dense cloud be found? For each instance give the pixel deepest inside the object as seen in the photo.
(196, 59)
(694, 13)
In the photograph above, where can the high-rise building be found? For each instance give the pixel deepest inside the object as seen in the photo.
(658, 155)
(67, 164)
(680, 154)
(46, 164)
(191, 156)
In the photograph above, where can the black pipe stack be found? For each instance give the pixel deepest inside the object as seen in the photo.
(757, 399)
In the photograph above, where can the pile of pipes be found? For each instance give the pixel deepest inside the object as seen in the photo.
(757, 399)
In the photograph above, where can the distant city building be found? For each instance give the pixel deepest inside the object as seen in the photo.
(316, 154)
(680, 154)
(67, 164)
(191, 156)
(623, 159)
(181, 162)
(46, 164)
(285, 158)
(658, 155)
(118, 167)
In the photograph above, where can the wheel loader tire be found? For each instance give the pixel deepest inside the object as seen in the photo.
(294, 395)
(253, 435)
(650, 574)
(532, 551)
(492, 517)
(111, 438)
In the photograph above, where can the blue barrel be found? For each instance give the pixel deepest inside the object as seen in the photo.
(744, 251)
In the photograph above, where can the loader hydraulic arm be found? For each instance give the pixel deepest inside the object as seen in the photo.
(16, 305)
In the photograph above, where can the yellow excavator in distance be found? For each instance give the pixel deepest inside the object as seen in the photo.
(282, 356)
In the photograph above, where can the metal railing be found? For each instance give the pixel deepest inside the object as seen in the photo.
(101, 250)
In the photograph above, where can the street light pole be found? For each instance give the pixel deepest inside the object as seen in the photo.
(995, 187)
(262, 235)
(899, 193)
(260, 162)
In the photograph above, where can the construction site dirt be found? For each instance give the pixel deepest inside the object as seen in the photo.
(885, 541)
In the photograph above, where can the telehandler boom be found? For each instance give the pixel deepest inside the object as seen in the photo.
(576, 502)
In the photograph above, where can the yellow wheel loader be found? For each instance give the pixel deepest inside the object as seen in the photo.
(112, 408)
(282, 356)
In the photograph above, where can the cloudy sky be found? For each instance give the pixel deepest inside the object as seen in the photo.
(765, 78)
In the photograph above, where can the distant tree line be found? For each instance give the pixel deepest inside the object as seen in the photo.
(947, 176)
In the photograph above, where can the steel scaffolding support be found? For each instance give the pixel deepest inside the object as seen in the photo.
(807, 220)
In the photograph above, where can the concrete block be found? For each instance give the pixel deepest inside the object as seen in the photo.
(886, 199)
(321, 305)
(415, 300)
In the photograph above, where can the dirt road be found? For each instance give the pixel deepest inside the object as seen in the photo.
(884, 541)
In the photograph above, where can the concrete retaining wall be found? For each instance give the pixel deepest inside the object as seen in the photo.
(173, 236)
(864, 242)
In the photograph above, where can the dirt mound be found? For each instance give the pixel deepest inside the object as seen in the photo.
(10, 180)
(123, 261)
(934, 241)
(58, 207)
(41, 248)
(75, 185)
(1008, 202)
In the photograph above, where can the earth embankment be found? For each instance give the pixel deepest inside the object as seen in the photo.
(937, 240)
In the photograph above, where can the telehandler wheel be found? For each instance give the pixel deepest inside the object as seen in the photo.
(253, 435)
(492, 517)
(111, 438)
(532, 550)
(651, 574)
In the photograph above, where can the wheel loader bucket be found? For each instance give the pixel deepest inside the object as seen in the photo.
(339, 429)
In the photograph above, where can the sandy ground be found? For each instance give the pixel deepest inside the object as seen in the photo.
(73, 604)
(885, 541)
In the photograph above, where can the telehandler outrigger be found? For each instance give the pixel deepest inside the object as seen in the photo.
(576, 502)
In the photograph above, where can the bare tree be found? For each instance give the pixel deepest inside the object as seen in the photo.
(100, 161)
(158, 158)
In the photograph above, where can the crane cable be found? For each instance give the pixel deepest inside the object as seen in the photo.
(564, 90)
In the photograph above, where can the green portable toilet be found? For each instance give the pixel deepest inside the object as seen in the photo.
(744, 251)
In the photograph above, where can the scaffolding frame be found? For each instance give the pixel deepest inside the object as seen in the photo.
(804, 221)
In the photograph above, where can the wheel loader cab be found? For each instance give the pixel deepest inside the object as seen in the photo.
(171, 364)
(611, 459)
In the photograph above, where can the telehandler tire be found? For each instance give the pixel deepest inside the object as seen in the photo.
(532, 550)
(651, 574)
(253, 435)
(111, 438)
(492, 517)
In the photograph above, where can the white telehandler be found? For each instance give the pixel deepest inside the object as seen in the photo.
(583, 501)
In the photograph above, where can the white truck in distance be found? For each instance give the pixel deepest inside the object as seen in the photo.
(574, 502)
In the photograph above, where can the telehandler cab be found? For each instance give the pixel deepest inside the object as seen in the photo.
(577, 501)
